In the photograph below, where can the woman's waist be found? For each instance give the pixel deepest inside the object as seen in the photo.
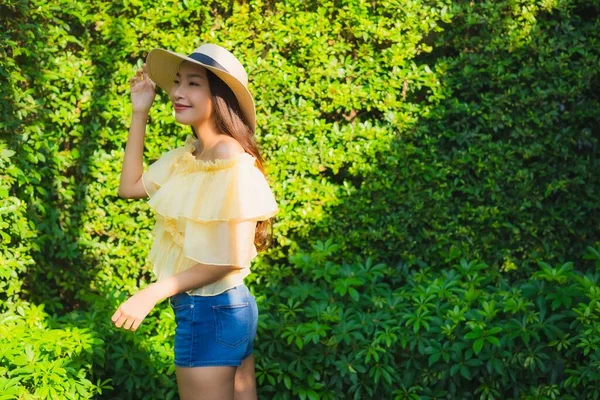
(227, 282)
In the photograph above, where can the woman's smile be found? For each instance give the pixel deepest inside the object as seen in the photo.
(180, 107)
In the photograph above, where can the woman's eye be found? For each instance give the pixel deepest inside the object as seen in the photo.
(176, 81)
(193, 83)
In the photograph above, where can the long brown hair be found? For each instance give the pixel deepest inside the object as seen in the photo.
(229, 120)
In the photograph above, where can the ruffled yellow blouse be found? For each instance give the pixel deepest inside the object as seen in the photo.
(206, 212)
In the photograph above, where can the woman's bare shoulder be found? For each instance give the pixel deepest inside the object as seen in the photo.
(226, 148)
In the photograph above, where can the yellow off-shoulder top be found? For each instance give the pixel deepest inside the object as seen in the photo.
(206, 212)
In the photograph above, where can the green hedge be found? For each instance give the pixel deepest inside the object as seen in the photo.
(435, 163)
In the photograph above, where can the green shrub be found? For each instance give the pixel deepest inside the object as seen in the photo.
(16, 233)
(38, 362)
(406, 332)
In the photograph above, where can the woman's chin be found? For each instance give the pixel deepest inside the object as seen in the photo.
(182, 120)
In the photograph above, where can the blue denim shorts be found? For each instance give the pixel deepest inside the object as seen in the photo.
(214, 330)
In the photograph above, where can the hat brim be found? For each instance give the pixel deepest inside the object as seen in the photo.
(163, 64)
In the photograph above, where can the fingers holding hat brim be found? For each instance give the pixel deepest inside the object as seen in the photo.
(163, 65)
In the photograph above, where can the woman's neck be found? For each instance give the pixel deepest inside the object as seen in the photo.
(207, 138)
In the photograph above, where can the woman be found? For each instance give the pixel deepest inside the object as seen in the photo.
(213, 209)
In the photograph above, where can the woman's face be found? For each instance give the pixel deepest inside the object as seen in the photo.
(191, 95)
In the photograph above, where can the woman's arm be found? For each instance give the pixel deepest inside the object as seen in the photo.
(130, 185)
(132, 312)
(142, 96)
(197, 276)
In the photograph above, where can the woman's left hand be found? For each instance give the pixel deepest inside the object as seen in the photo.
(132, 312)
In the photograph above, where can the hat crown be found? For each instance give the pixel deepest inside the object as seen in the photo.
(226, 59)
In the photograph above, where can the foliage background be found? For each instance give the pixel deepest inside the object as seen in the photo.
(436, 165)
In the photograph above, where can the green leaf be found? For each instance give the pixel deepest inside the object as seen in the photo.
(477, 345)
(493, 340)
(464, 371)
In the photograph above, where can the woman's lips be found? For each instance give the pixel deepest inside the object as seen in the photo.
(181, 108)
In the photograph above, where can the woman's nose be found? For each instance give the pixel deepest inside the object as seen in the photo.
(176, 92)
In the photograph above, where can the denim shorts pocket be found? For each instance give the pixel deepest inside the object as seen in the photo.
(178, 304)
(181, 306)
(183, 314)
(232, 322)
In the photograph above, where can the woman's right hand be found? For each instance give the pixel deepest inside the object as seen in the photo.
(142, 91)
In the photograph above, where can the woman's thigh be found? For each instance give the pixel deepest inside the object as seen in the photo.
(245, 380)
(205, 383)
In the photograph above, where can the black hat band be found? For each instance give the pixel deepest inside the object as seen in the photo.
(204, 59)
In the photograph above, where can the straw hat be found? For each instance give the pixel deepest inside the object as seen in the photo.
(163, 64)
